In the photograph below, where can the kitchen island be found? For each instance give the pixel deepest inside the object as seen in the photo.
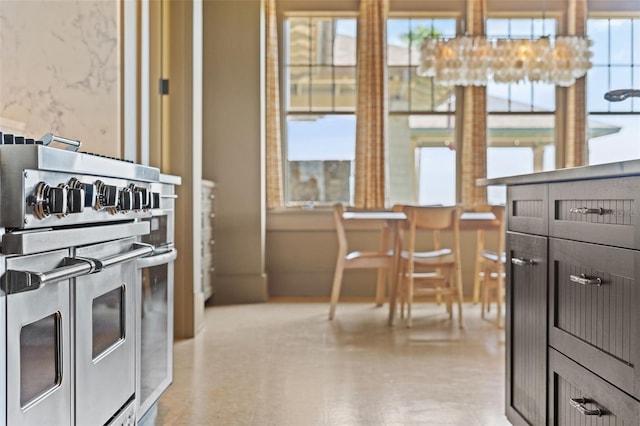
(572, 329)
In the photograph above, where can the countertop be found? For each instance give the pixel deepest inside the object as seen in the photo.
(598, 171)
(170, 179)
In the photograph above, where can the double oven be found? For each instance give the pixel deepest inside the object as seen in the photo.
(83, 274)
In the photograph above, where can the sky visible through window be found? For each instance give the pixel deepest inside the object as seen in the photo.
(616, 65)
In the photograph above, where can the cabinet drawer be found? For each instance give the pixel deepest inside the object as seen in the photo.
(528, 209)
(599, 211)
(578, 397)
(593, 300)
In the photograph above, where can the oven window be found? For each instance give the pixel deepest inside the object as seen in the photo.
(155, 329)
(108, 320)
(40, 357)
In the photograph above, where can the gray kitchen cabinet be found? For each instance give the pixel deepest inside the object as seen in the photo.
(572, 325)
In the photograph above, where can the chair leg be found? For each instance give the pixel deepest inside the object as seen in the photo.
(382, 272)
(381, 286)
(402, 289)
(477, 280)
(401, 297)
(409, 301)
(499, 308)
(459, 293)
(335, 289)
(485, 298)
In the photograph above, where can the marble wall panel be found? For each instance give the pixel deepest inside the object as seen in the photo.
(59, 71)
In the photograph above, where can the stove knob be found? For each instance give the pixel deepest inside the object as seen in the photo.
(75, 200)
(48, 200)
(89, 194)
(154, 200)
(141, 198)
(125, 201)
(138, 200)
(57, 200)
(77, 196)
(106, 195)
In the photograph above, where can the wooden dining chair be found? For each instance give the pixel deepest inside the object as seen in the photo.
(489, 280)
(436, 272)
(488, 225)
(381, 260)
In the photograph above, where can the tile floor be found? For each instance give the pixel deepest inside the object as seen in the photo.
(286, 364)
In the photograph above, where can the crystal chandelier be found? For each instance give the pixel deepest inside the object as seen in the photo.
(475, 60)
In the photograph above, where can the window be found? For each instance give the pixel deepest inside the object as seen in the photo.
(613, 127)
(320, 86)
(521, 116)
(422, 156)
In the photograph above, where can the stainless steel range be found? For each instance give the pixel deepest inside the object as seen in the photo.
(71, 225)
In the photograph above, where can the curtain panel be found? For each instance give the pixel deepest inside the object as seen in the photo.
(273, 142)
(575, 137)
(371, 107)
(474, 126)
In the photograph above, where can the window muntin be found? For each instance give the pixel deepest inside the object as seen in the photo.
(320, 64)
(616, 63)
(521, 116)
(421, 153)
(524, 96)
(407, 91)
(613, 127)
(320, 88)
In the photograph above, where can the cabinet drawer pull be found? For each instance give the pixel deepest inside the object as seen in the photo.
(584, 280)
(579, 404)
(521, 261)
(586, 210)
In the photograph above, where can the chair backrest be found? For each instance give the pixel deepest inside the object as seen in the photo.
(338, 211)
(432, 218)
(435, 219)
(499, 212)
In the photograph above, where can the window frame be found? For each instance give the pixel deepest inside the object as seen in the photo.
(633, 65)
(285, 113)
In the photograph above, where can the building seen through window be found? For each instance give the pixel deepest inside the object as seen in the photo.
(320, 98)
(320, 82)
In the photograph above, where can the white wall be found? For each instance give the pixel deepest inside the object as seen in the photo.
(59, 71)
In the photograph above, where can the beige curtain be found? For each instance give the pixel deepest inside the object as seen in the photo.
(273, 145)
(371, 108)
(474, 126)
(575, 134)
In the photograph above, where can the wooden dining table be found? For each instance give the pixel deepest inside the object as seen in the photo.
(392, 219)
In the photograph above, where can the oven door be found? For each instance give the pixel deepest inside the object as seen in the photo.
(105, 333)
(154, 306)
(38, 332)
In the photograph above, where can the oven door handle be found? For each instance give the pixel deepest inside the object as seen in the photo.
(139, 250)
(19, 281)
(157, 259)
